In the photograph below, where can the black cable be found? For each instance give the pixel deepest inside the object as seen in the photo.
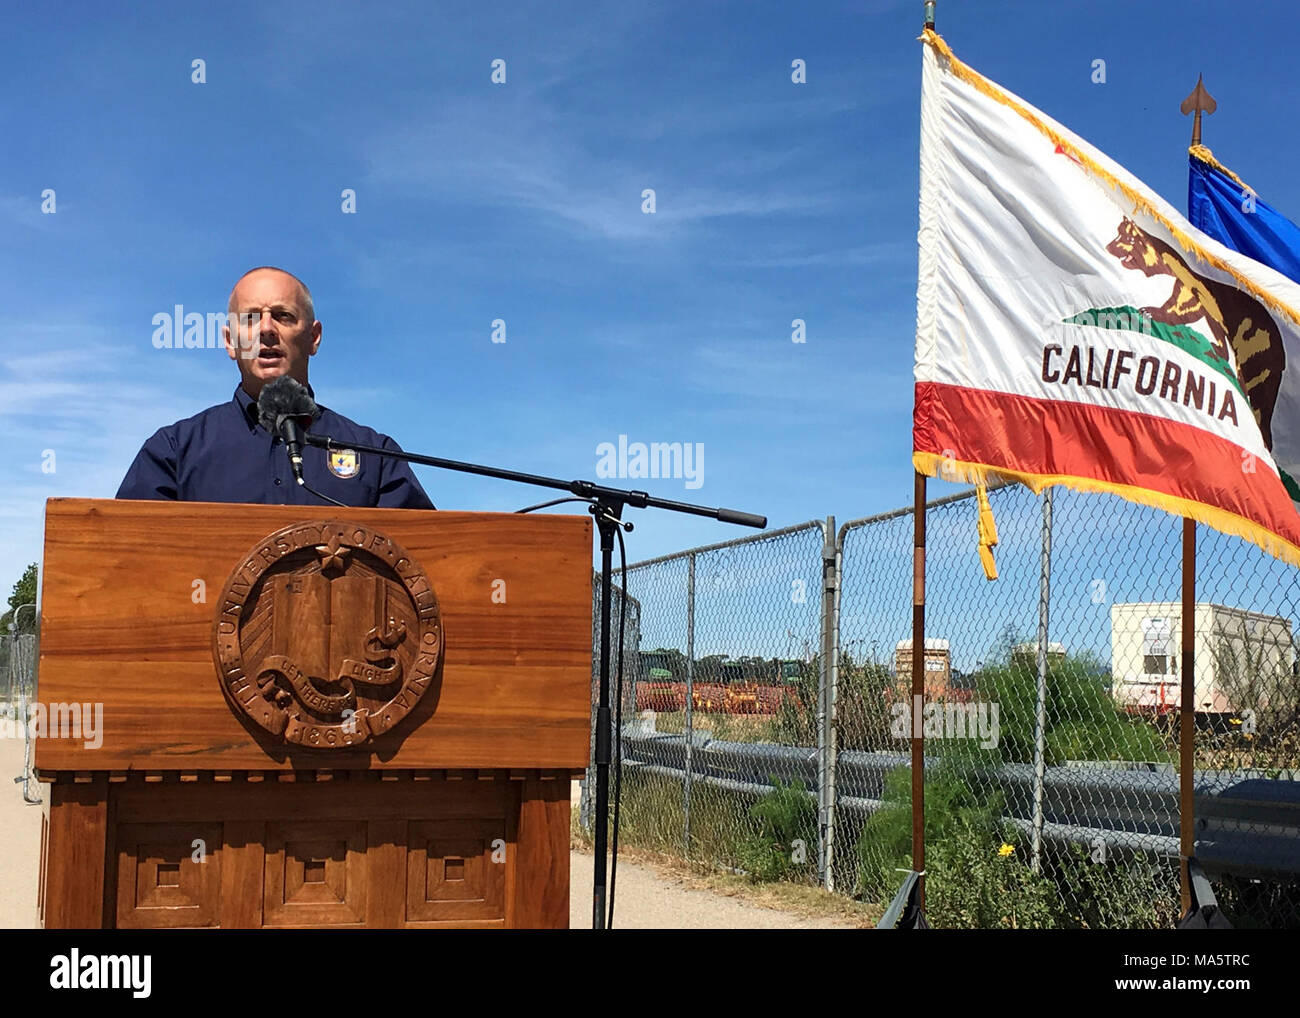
(318, 494)
(618, 726)
(554, 501)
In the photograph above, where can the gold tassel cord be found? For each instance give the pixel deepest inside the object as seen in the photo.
(988, 533)
(982, 85)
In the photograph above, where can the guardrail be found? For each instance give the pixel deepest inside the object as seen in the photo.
(1246, 826)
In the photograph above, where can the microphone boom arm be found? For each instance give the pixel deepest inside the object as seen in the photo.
(583, 489)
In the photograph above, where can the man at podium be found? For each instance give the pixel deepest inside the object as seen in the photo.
(224, 455)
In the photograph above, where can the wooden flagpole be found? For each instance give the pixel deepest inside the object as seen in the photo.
(1200, 101)
(918, 654)
(918, 684)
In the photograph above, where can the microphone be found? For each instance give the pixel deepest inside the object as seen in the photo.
(283, 403)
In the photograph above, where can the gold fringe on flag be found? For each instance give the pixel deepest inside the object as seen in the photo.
(982, 84)
(934, 465)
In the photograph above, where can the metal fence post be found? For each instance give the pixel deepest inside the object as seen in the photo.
(829, 673)
(1040, 717)
(22, 671)
(7, 644)
(690, 702)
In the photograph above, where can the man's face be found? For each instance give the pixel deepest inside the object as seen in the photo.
(271, 334)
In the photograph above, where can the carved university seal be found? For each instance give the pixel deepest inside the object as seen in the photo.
(327, 634)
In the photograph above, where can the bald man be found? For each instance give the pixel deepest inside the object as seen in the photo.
(224, 455)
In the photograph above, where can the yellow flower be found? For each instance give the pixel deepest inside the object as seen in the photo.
(1006, 850)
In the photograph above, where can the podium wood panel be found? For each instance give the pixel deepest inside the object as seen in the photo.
(349, 854)
(75, 856)
(123, 626)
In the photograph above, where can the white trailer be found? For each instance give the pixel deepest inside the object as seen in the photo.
(1240, 657)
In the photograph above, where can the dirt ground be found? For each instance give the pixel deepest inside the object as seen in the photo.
(20, 843)
(647, 897)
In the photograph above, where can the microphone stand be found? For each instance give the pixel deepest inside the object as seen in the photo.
(606, 506)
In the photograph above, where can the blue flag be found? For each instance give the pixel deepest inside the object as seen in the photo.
(1221, 205)
(1239, 218)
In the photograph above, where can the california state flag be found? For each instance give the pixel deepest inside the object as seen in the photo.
(1073, 328)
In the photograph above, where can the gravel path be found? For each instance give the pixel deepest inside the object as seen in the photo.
(20, 842)
(646, 899)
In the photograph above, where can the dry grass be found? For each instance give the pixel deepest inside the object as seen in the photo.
(796, 899)
(725, 727)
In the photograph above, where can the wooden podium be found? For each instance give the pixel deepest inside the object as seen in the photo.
(278, 716)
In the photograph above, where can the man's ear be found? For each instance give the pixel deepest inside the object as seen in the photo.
(231, 347)
(315, 338)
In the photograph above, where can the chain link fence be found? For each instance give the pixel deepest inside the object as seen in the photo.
(728, 704)
(767, 715)
(18, 654)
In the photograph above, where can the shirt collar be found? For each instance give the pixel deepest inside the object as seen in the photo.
(248, 406)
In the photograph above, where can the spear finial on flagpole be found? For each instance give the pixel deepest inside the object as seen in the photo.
(1200, 101)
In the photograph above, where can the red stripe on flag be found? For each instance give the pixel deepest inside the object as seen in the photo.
(1042, 436)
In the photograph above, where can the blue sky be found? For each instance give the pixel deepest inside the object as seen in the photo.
(522, 201)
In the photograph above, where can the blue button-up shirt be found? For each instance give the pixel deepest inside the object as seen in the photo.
(224, 455)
